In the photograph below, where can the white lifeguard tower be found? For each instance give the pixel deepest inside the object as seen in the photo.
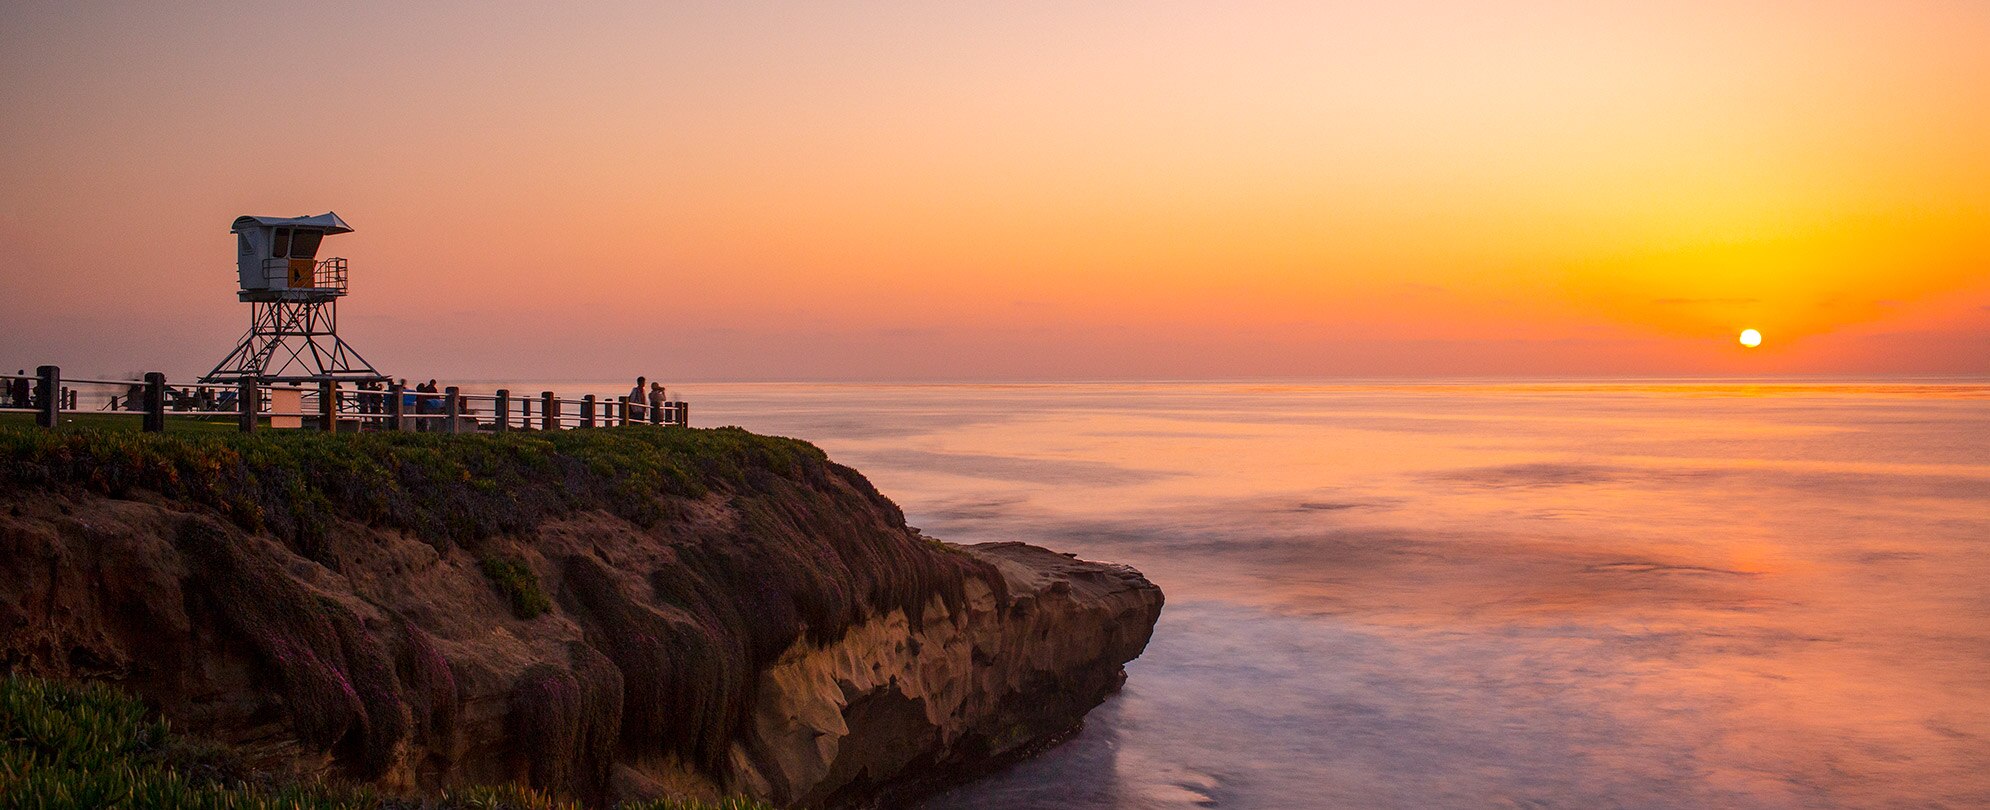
(293, 305)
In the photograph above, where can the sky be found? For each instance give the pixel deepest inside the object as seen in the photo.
(1014, 190)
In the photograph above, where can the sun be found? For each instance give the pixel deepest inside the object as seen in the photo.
(1751, 338)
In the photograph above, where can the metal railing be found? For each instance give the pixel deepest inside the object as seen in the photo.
(330, 274)
(327, 274)
(326, 406)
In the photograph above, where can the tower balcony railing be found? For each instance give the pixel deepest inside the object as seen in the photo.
(326, 275)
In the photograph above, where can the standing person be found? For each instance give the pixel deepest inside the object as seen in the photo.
(431, 404)
(425, 405)
(637, 396)
(656, 403)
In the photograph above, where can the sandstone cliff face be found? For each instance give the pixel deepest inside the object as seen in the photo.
(889, 709)
(760, 621)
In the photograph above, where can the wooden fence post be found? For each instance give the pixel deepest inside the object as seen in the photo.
(549, 411)
(248, 400)
(587, 411)
(502, 410)
(49, 380)
(683, 414)
(328, 406)
(622, 411)
(155, 402)
(396, 410)
(452, 409)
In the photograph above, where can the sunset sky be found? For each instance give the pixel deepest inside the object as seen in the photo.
(1015, 190)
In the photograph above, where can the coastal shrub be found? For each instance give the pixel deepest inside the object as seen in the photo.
(433, 700)
(334, 675)
(543, 726)
(679, 687)
(447, 489)
(563, 724)
(66, 746)
(90, 726)
(383, 719)
(76, 746)
(601, 711)
(515, 581)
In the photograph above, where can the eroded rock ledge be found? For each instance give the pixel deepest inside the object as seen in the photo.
(624, 614)
(893, 710)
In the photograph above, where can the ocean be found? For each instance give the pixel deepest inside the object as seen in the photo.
(1680, 594)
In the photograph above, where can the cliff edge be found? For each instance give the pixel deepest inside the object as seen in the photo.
(608, 614)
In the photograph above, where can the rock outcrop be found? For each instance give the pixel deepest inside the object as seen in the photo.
(619, 615)
(895, 709)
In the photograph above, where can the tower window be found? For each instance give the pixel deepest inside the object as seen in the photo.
(304, 244)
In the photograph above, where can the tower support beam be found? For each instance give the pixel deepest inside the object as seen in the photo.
(292, 341)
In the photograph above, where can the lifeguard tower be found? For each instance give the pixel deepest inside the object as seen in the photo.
(293, 300)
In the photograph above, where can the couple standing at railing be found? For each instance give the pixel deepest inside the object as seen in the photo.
(647, 405)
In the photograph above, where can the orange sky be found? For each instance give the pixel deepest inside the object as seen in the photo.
(1017, 190)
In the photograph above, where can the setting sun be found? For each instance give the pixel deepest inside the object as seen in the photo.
(1751, 338)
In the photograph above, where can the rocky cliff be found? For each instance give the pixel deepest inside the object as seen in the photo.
(603, 614)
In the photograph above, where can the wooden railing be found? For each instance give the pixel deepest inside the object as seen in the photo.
(326, 406)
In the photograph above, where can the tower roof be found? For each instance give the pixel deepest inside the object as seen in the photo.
(327, 221)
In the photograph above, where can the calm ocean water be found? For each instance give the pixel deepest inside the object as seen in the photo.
(1566, 595)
